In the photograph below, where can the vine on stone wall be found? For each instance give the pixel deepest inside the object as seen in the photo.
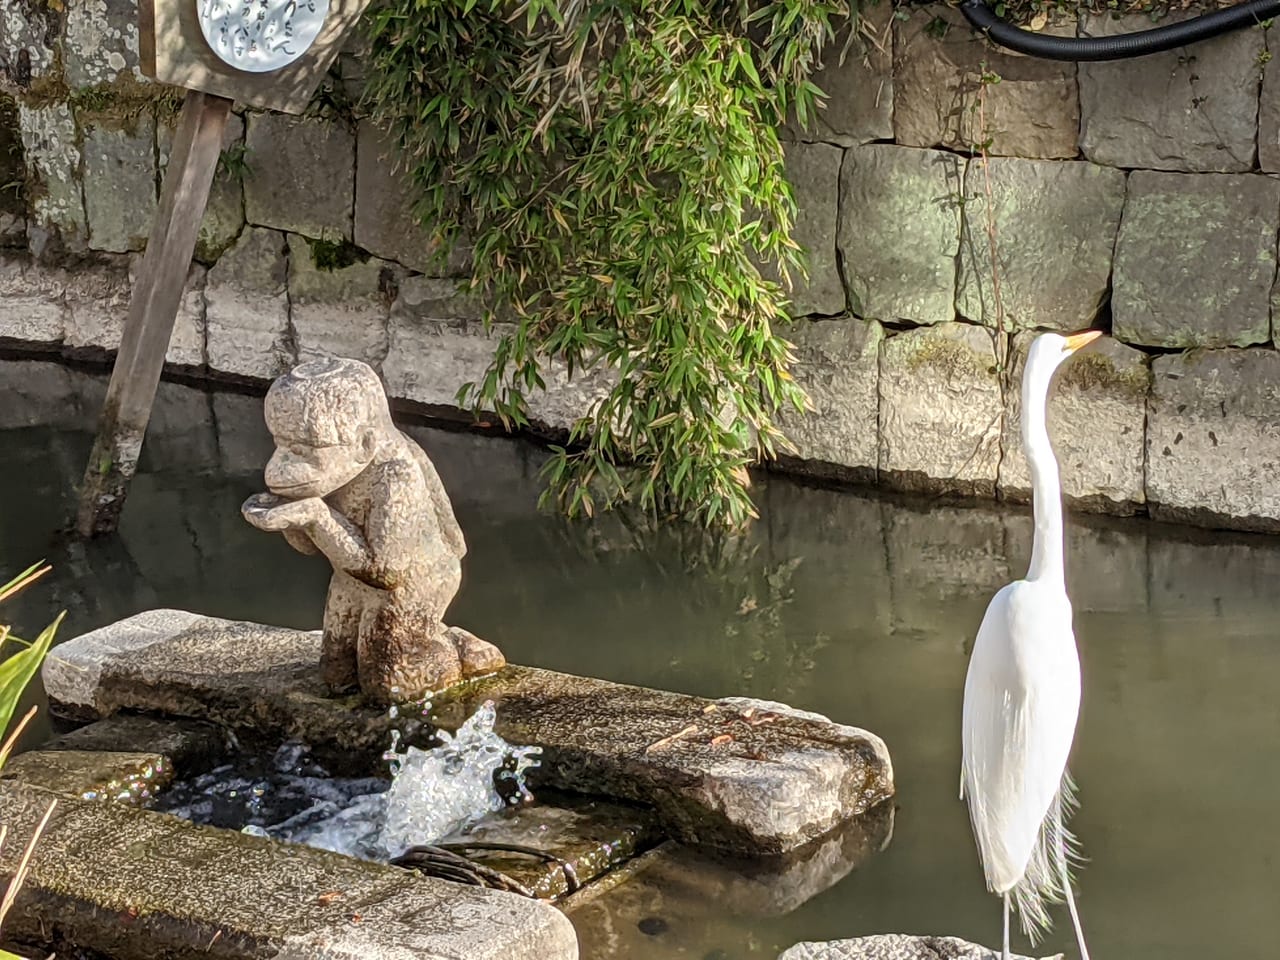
(616, 169)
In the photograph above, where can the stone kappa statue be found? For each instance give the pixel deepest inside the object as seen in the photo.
(345, 482)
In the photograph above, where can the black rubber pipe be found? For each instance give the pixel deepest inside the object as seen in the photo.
(1121, 47)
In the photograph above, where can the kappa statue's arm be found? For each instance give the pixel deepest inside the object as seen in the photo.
(299, 540)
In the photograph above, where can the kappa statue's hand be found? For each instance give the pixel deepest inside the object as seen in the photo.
(275, 514)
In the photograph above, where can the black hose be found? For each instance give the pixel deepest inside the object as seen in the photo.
(1121, 47)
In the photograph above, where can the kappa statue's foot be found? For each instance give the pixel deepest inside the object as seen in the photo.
(478, 657)
(411, 674)
(338, 667)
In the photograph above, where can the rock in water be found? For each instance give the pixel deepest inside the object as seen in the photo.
(894, 947)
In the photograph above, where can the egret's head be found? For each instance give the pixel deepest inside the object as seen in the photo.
(1050, 350)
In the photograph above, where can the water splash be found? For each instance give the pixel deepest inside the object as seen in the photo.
(433, 794)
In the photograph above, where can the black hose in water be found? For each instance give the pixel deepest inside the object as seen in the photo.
(1122, 47)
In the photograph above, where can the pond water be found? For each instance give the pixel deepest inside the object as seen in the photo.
(857, 607)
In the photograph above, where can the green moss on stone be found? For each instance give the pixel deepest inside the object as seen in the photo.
(1093, 372)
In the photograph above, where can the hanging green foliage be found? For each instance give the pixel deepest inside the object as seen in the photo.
(616, 169)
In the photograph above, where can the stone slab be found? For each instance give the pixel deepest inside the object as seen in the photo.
(224, 212)
(813, 170)
(941, 408)
(940, 98)
(32, 305)
(28, 36)
(1195, 259)
(1055, 229)
(50, 145)
(385, 200)
(1213, 456)
(126, 777)
(342, 311)
(771, 780)
(1097, 423)
(247, 307)
(1269, 108)
(301, 175)
(187, 745)
(120, 881)
(97, 298)
(894, 947)
(858, 83)
(1193, 108)
(838, 365)
(592, 835)
(899, 232)
(119, 182)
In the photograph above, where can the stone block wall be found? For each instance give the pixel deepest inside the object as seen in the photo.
(954, 198)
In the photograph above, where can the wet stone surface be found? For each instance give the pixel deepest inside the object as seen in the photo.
(755, 779)
(92, 775)
(894, 947)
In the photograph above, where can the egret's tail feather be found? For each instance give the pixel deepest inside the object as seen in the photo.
(1049, 868)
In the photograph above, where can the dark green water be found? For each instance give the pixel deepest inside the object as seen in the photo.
(852, 606)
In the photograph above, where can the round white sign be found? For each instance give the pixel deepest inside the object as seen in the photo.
(258, 36)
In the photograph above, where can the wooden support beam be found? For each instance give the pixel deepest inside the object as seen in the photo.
(152, 310)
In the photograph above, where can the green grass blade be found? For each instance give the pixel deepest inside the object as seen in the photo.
(16, 672)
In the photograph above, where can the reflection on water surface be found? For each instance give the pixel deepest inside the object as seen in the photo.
(852, 606)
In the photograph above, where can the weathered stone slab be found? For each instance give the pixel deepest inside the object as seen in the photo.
(224, 213)
(31, 301)
(119, 183)
(186, 344)
(940, 410)
(894, 946)
(385, 200)
(591, 835)
(124, 777)
(1193, 108)
(940, 97)
(814, 172)
(1269, 108)
(859, 86)
(717, 771)
(1097, 422)
(100, 862)
(838, 365)
(436, 342)
(301, 175)
(28, 35)
(100, 42)
(1213, 455)
(1195, 259)
(183, 743)
(247, 307)
(899, 232)
(97, 297)
(49, 141)
(340, 312)
(1055, 229)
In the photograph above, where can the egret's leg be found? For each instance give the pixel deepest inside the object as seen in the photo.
(1005, 953)
(1065, 875)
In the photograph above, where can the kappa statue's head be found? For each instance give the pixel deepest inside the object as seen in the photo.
(328, 418)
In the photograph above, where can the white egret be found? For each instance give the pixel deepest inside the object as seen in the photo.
(1022, 693)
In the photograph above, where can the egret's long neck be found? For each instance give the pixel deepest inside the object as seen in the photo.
(1046, 488)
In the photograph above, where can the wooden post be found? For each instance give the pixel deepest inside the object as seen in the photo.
(152, 309)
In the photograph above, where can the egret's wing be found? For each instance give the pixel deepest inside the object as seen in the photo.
(1021, 699)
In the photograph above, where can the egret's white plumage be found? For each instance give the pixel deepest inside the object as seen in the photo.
(1022, 693)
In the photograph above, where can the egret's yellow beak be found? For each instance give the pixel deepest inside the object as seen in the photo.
(1078, 340)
